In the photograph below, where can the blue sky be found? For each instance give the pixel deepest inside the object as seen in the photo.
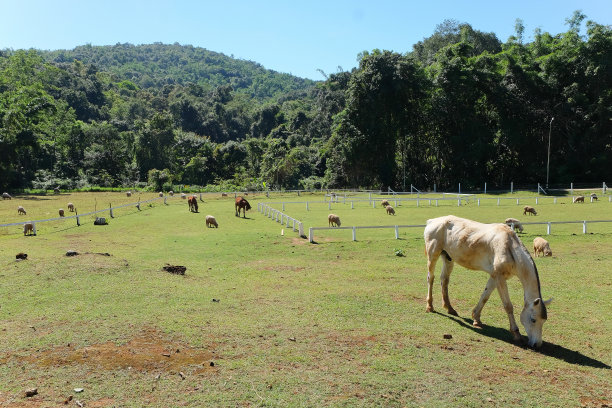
(296, 37)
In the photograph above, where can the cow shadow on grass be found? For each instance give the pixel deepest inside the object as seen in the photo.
(548, 349)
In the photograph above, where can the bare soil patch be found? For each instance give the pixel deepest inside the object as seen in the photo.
(148, 351)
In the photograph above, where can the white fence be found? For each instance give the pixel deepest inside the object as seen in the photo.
(355, 228)
(397, 227)
(281, 217)
(78, 216)
(460, 199)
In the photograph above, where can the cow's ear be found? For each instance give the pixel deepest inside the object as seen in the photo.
(547, 302)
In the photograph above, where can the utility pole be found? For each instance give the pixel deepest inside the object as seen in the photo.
(548, 161)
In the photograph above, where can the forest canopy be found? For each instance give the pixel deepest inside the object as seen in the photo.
(462, 106)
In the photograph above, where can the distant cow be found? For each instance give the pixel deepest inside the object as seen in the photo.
(579, 199)
(28, 228)
(333, 219)
(530, 210)
(541, 246)
(193, 204)
(70, 207)
(6, 196)
(390, 210)
(593, 196)
(211, 222)
(61, 212)
(21, 210)
(513, 221)
(241, 204)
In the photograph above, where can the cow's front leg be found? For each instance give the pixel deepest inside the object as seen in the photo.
(491, 285)
(502, 288)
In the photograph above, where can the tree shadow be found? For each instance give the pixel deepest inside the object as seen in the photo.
(33, 198)
(548, 349)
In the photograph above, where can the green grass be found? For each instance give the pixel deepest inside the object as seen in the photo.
(337, 323)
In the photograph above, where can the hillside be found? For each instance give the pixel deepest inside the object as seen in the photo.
(156, 65)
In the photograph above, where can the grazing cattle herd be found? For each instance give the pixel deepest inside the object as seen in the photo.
(493, 248)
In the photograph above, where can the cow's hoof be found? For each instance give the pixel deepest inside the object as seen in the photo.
(477, 324)
(429, 309)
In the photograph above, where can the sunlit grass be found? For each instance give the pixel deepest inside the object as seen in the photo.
(337, 323)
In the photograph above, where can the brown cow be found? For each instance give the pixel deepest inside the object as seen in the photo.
(28, 228)
(530, 210)
(193, 204)
(241, 204)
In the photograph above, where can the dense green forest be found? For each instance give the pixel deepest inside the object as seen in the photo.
(462, 106)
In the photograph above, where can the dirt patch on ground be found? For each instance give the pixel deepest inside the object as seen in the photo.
(299, 241)
(594, 402)
(148, 351)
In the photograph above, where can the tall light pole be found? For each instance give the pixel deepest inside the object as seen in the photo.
(548, 161)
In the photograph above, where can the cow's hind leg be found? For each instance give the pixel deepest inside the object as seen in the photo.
(432, 258)
(491, 285)
(447, 268)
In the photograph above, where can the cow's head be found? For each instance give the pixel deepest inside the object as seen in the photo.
(533, 317)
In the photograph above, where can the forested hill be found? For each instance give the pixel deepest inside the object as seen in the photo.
(156, 65)
(462, 107)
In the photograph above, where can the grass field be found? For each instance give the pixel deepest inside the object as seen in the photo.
(336, 323)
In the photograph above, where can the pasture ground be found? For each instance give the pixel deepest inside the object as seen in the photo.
(336, 323)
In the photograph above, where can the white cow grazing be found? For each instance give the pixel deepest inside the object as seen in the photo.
(495, 249)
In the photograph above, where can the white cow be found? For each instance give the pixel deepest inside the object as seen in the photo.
(495, 249)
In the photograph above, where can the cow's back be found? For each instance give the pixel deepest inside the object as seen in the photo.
(471, 244)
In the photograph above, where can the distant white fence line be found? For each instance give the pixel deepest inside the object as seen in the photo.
(461, 199)
(281, 217)
(397, 227)
(397, 200)
(77, 216)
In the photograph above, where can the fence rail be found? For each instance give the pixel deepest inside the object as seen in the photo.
(397, 227)
(77, 216)
(281, 217)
